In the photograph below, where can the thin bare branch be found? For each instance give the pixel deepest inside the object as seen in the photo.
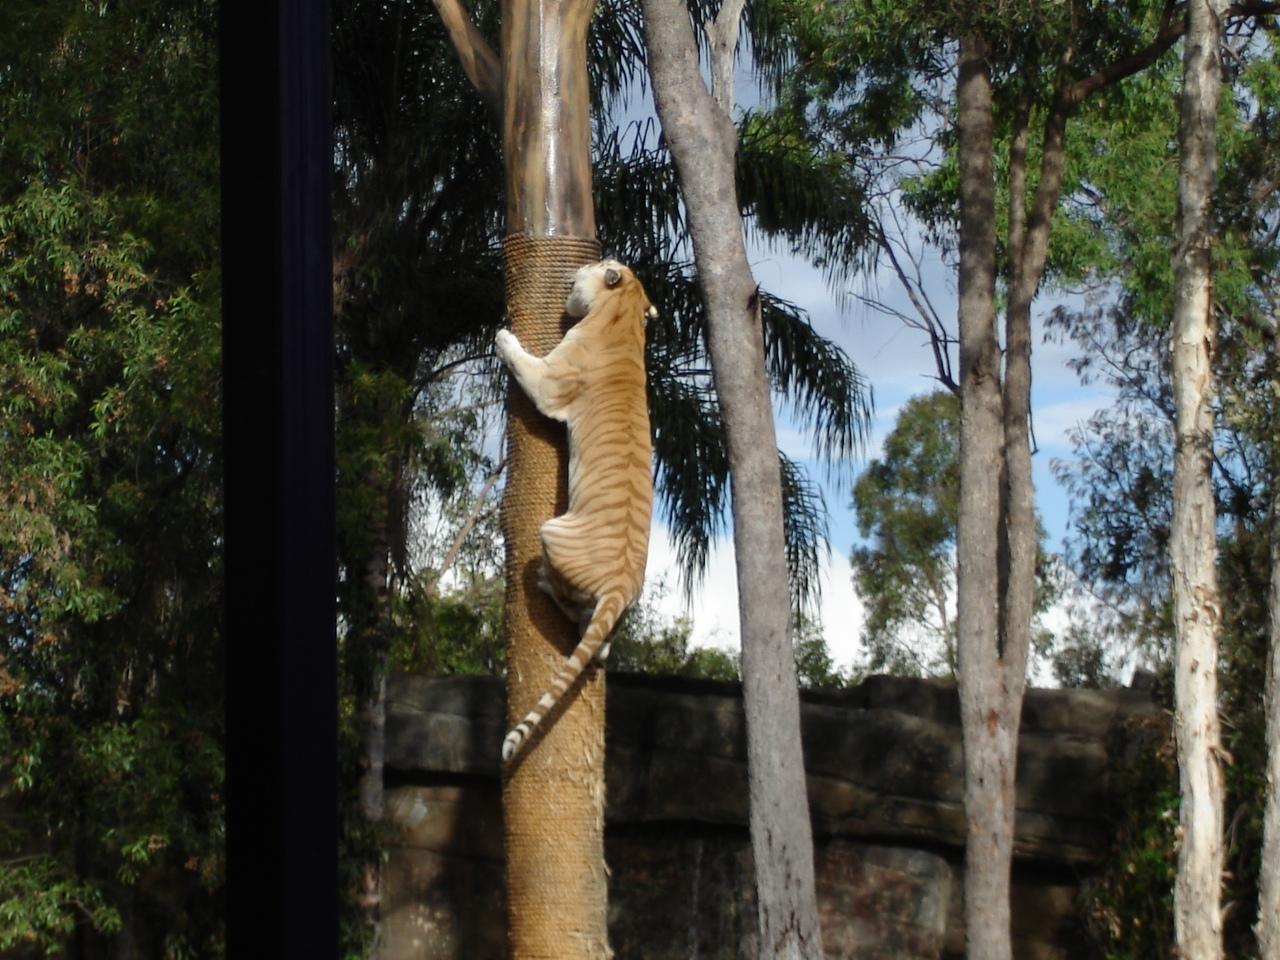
(479, 62)
(724, 43)
(929, 321)
(441, 370)
(469, 524)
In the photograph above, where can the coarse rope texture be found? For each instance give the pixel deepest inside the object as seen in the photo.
(553, 794)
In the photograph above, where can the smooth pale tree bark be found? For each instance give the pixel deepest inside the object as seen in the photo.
(1028, 247)
(703, 141)
(997, 530)
(987, 682)
(553, 797)
(1193, 541)
(1268, 926)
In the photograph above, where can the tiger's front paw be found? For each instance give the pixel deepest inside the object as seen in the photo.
(507, 346)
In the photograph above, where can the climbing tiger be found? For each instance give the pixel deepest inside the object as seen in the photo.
(593, 555)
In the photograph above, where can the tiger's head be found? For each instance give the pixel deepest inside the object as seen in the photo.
(595, 282)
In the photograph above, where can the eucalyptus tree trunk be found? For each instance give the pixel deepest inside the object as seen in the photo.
(1192, 542)
(1268, 927)
(989, 711)
(372, 602)
(1028, 245)
(703, 141)
(997, 528)
(366, 552)
(553, 797)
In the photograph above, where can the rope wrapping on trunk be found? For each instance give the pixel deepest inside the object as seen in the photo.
(553, 795)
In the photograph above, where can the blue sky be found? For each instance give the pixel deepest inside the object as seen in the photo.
(899, 365)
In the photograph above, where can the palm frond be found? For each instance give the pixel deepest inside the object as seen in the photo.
(638, 210)
(804, 517)
(615, 53)
(692, 466)
(818, 379)
(794, 191)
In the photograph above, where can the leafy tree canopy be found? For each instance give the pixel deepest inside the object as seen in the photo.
(110, 656)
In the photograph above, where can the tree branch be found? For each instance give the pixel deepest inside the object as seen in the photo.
(451, 555)
(1018, 179)
(929, 322)
(724, 41)
(478, 60)
(1171, 29)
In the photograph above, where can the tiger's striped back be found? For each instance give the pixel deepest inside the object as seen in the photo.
(594, 554)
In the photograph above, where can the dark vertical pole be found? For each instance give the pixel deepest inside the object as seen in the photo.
(282, 825)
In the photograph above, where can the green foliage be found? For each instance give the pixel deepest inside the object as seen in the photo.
(907, 506)
(647, 643)
(907, 502)
(1127, 904)
(1079, 658)
(110, 653)
(40, 905)
(794, 191)
(1119, 481)
(460, 632)
(814, 667)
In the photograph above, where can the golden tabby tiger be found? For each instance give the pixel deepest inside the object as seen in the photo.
(593, 555)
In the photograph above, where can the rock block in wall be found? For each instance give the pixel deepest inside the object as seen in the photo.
(680, 893)
(884, 767)
(689, 895)
(1045, 918)
(442, 885)
(882, 903)
(884, 760)
(448, 818)
(442, 907)
(445, 724)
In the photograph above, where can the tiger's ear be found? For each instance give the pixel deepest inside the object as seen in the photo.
(611, 277)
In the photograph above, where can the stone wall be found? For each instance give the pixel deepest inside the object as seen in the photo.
(885, 790)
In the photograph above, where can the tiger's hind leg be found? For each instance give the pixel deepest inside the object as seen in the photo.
(576, 600)
(576, 606)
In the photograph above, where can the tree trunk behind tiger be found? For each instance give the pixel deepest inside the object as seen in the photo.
(553, 795)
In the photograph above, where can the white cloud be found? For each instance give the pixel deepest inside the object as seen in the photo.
(714, 609)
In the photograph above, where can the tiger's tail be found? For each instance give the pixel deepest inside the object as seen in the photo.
(593, 643)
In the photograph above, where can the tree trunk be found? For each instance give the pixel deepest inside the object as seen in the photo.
(375, 605)
(1197, 892)
(994, 682)
(1268, 928)
(553, 797)
(367, 606)
(1029, 246)
(703, 141)
(989, 732)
